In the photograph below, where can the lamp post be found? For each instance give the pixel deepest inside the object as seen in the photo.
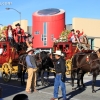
(16, 11)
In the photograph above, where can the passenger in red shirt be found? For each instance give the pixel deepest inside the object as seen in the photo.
(79, 34)
(67, 50)
(70, 35)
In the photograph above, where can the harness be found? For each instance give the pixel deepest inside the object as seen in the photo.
(88, 62)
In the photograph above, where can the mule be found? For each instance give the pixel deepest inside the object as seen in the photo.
(82, 65)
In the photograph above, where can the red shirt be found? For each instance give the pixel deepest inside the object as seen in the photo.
(17, 35)
(67, 51)
(80, 34)
(70, 35)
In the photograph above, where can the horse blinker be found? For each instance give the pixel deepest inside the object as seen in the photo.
(87, 58)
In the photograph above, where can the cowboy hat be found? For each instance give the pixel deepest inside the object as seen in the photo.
(30, 49)
(17, 24)
(58, 52)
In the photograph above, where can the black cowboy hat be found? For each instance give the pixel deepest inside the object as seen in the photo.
(17, 24)
(72, 30)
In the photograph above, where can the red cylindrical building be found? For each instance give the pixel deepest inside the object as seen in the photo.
(47, 24)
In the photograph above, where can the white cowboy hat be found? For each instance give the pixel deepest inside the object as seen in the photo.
(58, 52)
(30, 49)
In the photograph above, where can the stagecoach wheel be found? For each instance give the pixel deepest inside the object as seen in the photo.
(6, 72)
(68, 66)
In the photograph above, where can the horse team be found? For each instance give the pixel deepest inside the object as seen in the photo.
(82, 63)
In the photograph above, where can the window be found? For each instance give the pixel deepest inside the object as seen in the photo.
(45, 43)
(91, 42)
(44, 28)
(67, 46)
(44, 35)
(61, 47)
(37, 32)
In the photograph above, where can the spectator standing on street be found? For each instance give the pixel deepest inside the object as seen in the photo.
(20, 97)
(60, 78)
(32, 68)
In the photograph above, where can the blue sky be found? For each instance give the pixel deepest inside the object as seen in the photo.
(73, 8)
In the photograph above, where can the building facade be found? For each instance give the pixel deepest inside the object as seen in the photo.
(47, 24)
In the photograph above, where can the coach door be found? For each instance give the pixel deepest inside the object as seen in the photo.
(5, 54)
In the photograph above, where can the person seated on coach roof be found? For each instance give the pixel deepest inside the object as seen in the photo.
(19, 34)
(10, 34)
(74, 38)
(71, 34)
(78, 33)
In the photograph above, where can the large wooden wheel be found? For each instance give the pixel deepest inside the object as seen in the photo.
(68, 66)
(6, 72)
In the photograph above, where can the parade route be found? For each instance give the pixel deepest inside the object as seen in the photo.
(45, 93)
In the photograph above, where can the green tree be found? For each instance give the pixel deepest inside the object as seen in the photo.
(2, 30)
(64, 35)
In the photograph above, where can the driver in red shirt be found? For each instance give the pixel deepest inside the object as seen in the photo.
(19, 34)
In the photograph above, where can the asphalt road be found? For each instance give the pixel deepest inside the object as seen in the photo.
(45, 93)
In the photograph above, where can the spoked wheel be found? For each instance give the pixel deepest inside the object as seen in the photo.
(6, 72)
(68, 66)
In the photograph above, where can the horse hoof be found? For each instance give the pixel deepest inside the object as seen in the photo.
(93, 91)
(84, 86)
(37, 85)
(80, 88)
(73, 88)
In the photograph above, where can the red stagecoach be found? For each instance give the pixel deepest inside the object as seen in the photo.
(8, 60)
(73, 49)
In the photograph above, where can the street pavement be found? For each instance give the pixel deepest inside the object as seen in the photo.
(13, 87)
